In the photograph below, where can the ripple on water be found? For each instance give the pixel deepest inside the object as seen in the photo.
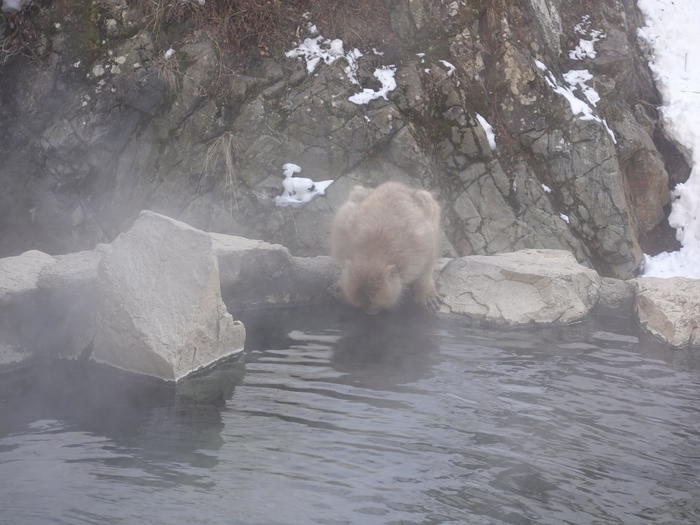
(346, 420)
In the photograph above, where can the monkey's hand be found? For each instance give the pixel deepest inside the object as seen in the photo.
(431, 302)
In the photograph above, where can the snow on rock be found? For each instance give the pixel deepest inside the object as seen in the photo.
(289, 169)
(488, 129)
(9, 6)
(450, 67)
(385, 75)
(683, 263)
(672, 34)
(579, 108)
(578, 79)
(169, 53)
(317, 49)
(586, 46)
(299, 190)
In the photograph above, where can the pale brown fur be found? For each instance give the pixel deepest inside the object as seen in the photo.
(386, 240)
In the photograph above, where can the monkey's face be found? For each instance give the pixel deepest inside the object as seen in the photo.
(371, 287)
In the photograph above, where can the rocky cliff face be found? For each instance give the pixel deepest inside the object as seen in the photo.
(98, 124)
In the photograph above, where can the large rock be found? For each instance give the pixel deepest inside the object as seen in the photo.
(20, 319)
(616, 298)
(13, 357)
(529, 286)
(19, 275)
(66, 300)
(257, 274)
(159, 310)
(670, 309)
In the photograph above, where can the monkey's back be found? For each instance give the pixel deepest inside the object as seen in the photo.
(395, 224)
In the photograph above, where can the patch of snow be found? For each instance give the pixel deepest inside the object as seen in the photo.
(289, 169)
(299, 190)
(385, 75)
(450, 67)
(98, 70)
(546, 188)
(564, 218)
(169, 53)
(672, 264)
(9, 6)
(671, 32)
(586, 47)
(583, 25)
(488, 129)
(351, 68)
(378, 53)
(76, 64)
(577, 79)
(579, 108)
(317, 49)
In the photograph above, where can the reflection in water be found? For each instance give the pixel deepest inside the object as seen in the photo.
(398, 418)
(383, 352)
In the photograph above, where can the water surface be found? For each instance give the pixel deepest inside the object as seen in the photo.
(373, 420)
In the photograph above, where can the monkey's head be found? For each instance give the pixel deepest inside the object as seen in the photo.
(371, 286)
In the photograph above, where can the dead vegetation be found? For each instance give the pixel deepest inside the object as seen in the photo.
(169, 72)
(18, 34)
(223, 149)
(242, 27)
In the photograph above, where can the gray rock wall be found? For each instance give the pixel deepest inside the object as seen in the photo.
(98, 125)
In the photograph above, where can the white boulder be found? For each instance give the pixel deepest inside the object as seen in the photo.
(159, 308)
(669, 309)
(524, 287)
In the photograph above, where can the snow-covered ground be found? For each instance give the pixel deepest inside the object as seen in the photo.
(673, 32)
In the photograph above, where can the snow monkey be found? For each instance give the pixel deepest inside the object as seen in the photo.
(386, 240)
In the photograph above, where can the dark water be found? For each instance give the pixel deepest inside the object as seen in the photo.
(340, 420)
